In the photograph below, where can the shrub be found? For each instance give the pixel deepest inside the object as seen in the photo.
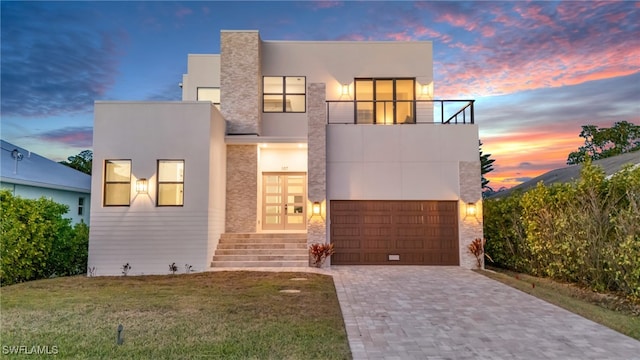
(320, 252)
(37, 242)
(586, 232)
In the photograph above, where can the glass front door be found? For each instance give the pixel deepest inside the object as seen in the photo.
(284, 200)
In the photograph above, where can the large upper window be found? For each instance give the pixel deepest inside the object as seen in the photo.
(117, 182)
(209, 94)
(284, 94)
(170, 183)
(385, 101)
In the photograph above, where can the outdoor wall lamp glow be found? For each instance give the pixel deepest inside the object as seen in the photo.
(426, 90)
(345, 89)
(141, 186)
(316, 208)
(471, 209)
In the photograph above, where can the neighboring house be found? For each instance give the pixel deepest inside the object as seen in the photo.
(32, 176)
(610, 166)
(280, 144)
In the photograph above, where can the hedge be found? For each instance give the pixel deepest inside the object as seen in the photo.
(586, 232)
(37, 242)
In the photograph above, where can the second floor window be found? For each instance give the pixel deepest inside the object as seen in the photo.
(117, 182)
(284, 94)
(170, 182)
(209, 94)
(385, 101)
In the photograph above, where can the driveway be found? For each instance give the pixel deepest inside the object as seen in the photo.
(411, 312)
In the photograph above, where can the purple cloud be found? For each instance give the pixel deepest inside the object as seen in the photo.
(81, 137)
(62, 70)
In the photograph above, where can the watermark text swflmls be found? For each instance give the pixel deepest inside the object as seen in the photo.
(30, 350)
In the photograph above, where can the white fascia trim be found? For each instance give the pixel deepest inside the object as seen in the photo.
(44, 185)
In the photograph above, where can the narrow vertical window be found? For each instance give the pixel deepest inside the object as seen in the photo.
(170, 183)
(80, 206)
(284, 94)
(117, 182)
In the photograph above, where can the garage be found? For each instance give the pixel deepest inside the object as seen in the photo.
(384, 232)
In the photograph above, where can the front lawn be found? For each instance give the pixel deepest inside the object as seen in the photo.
(216, 315)
(609, 310)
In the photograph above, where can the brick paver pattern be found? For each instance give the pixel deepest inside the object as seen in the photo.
(413, 312)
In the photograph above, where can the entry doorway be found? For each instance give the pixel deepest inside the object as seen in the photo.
(284, 201)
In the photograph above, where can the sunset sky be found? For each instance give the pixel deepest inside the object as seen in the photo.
(538, 70)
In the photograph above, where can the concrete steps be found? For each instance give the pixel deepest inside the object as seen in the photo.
(261, 250)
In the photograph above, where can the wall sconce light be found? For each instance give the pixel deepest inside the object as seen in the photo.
(426, 89)
(345, 89)
(315, 208)
(141, 186)
(471, 209)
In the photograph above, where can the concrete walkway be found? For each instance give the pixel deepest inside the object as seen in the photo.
(410, 312)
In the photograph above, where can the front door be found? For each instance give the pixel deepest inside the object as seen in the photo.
(284, 200)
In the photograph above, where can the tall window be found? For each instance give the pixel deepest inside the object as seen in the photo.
(385, 101)
(117, 182)
(284, 94)
(80, 206)
(209, 94)
(170, 183)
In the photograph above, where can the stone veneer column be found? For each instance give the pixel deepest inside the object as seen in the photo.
(242, 188)
(241, 81)
(470, 227)
(317, 162)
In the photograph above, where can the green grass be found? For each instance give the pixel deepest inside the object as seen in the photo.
(216, 315)
(606, 309)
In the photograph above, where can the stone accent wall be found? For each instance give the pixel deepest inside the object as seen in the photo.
(470, 227)
(317, 162)
(241, 81)
(242, 188)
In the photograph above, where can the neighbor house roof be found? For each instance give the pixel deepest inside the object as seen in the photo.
(610, 166)
(20, 166)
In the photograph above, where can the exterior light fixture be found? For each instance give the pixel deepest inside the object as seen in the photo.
(141, 186)
(426, 90)
(345, 89)
(471, 209)
(316, 208)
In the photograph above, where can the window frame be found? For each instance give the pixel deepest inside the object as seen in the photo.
(106, 182)
(158, 182)
(374, 100)
(284, 94)
(81, 206)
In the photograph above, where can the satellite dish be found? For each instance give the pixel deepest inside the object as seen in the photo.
(16, 155)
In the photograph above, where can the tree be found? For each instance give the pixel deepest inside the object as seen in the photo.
(81, 162)
(486, 166)
(622, 137)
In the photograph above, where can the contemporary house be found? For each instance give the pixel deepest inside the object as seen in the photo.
(32, 176)
(280, 144)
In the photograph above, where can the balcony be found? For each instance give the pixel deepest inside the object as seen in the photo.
(385, 112)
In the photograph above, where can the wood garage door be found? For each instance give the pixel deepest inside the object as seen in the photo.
(368, 232)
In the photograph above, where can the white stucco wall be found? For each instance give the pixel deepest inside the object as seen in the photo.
(399, 162)
(149, 237)
(203, 70)
(338, 62)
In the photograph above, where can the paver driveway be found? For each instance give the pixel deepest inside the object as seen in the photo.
(411, 312)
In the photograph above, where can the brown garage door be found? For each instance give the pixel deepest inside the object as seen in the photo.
(368, 232)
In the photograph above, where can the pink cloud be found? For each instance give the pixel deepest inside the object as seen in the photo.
(182, 12)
